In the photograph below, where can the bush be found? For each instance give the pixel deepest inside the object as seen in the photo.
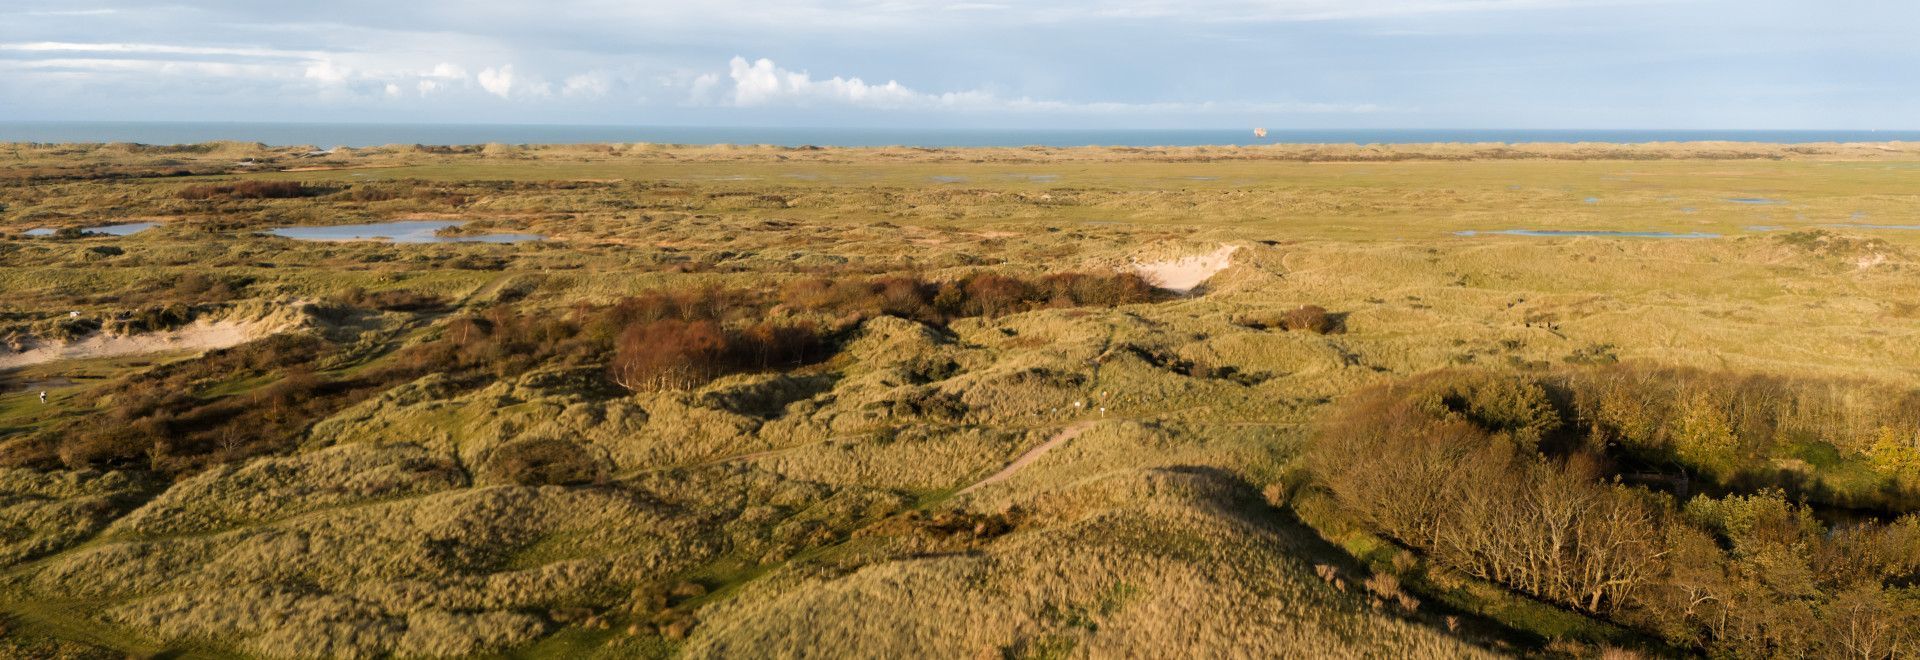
(544, 462)
(156, 318)
(249, 190)
(373, 194)
(1451, 464)
(397, 300)
(1307, 318)
(199, 287)
(675, 354)
(980, 294)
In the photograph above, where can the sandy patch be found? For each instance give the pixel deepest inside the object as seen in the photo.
(1186, 273)
(200, 336)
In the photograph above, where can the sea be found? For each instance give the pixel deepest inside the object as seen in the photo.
(365, 135)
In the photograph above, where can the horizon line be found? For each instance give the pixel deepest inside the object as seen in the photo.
(1248, 127)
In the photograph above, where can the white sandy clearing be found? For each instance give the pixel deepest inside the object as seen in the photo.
(200, 336)
(1186, 273)
(1032, 455)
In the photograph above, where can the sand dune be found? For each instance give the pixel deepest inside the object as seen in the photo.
(1187, 273)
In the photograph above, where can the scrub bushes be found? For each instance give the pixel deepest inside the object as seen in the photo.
(249, 190)
(1527, 481)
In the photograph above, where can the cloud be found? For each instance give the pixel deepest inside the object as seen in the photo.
(69, 67)
(157, 49)
(71, 12)
(447, 71)
(498, 82)
(762, 83)
(328, 73)
(1310, 10)
(593, 84)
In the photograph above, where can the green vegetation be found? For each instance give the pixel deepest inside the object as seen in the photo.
(897, 402)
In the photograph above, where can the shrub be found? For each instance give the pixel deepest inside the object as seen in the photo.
(676, 354)
(249, 190)
(1307, 318)
(373, 194)
(397, 300)
(199, 287)
(156, 318)
(544, 462)
(1447, 466)
(980, 294)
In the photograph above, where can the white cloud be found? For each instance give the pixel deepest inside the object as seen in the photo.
(587, 85)
(762, 83)
(393, 90)
(158, 49)
(701, 91)
(84, 66)
(1309, 10)
(892, 16)
(447, 71)
(328, 73)
(426, 87)
(71, 12)
(498, 82)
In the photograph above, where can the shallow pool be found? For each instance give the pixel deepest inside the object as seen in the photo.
(123, 229)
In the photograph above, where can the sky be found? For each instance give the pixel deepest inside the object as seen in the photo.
(1629, 64)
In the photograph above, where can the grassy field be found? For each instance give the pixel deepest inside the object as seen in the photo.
(430, 450)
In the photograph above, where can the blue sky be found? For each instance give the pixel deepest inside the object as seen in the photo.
(1840, 64)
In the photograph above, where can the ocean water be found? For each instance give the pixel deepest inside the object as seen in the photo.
(363, 135)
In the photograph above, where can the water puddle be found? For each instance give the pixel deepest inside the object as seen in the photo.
(400, 231)
(123, 229)
(1584, 232)
(1755, 200)
(949, 179)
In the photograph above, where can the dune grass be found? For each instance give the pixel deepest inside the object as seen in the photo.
(522, 504)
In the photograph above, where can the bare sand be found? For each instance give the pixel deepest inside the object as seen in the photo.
(200, 336)
(1186, 273)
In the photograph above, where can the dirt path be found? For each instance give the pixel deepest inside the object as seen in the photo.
(1032, 455)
